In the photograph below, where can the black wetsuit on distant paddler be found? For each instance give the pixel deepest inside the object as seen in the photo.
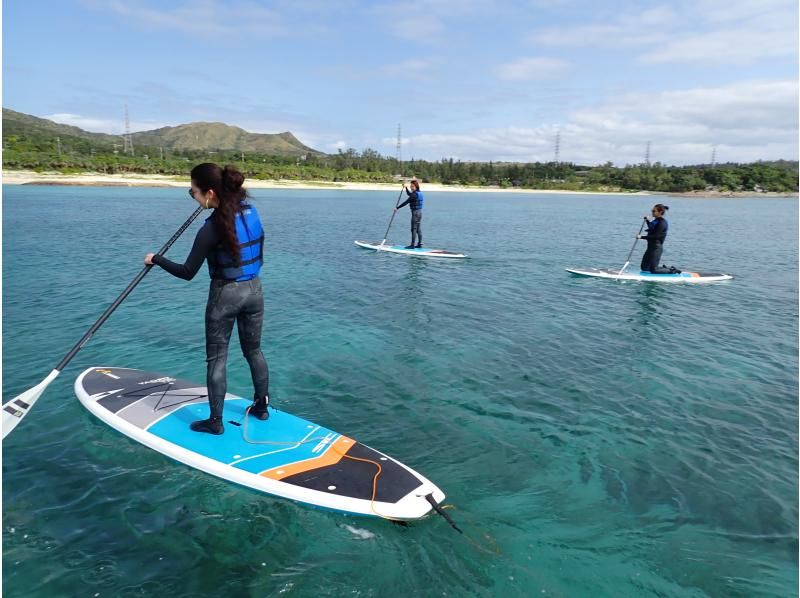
(414, 202)
(656, 235)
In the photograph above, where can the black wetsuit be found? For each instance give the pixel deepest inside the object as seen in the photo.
(229, 301)
(656, 234)
(415, 204)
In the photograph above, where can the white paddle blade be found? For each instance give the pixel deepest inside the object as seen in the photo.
(19, 406)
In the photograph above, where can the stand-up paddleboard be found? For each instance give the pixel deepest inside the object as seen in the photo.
(649, 276)
(285, 456)
(420, 252)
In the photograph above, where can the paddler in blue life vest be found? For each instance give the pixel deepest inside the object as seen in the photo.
(414, 201)
(232, 241)
(656, 235)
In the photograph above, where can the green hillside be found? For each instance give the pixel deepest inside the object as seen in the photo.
(219, 136)
(189, 137)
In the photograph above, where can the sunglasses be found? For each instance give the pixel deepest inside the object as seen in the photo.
(191, 193)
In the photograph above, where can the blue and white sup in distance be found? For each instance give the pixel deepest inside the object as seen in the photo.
(418, 252)
(284, 456)
(684, 276)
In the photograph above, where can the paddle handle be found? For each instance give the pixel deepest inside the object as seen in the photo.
(101, 320)
(630, 253)
(397, 203)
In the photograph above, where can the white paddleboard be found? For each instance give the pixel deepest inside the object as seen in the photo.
(419, 252)
(284, 456)
(691, 277)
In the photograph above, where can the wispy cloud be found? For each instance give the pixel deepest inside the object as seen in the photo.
(525, 69)
(734, 46)
(205, 18)
(645, 27)
(748, 121)
(413, 68)
(426, 21)
(101, 125)
(706, 32)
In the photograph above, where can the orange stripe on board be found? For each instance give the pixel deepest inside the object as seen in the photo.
(330, 457)
(695, 275)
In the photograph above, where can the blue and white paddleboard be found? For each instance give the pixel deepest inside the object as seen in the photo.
(284, 456)
(692, 277)
(419, 252)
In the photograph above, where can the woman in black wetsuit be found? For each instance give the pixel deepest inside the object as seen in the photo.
(232, 241)
(414, 202)
(656, 234)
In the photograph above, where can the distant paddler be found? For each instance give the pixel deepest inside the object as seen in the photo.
(414, 201)
(656, 235)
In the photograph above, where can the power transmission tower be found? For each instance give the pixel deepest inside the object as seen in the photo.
(127, 138)
(58, 144)
(557, 153)
(399, 149)
(713, 156)
(647, 155)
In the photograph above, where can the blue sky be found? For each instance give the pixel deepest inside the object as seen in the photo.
(469, 79)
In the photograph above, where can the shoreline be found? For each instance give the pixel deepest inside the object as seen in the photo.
(27, 177)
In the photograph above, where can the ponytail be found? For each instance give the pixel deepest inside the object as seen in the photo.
(227, 185)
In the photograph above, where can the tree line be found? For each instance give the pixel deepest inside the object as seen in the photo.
(74, 154)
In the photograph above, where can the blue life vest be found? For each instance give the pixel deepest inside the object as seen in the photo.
(251, 243)
(419, 200)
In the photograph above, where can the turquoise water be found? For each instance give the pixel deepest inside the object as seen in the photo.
(595, 438)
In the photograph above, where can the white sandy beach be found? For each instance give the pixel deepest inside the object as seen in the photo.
(96, 179)
(24, 177)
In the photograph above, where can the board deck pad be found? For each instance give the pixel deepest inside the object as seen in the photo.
(308, 462)
(417, 251)
(684, 276)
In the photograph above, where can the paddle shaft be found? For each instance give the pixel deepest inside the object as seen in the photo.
(397, 203)
(635, 241)
(101, 320)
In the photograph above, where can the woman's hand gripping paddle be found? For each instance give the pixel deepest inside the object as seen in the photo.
(18, 407)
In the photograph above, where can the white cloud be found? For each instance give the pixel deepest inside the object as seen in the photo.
(642, 28)
(525, 69)
(206, 18)
(739, 32)
(747, 121)
(735, 46)
(101, 125)
(425, 21)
